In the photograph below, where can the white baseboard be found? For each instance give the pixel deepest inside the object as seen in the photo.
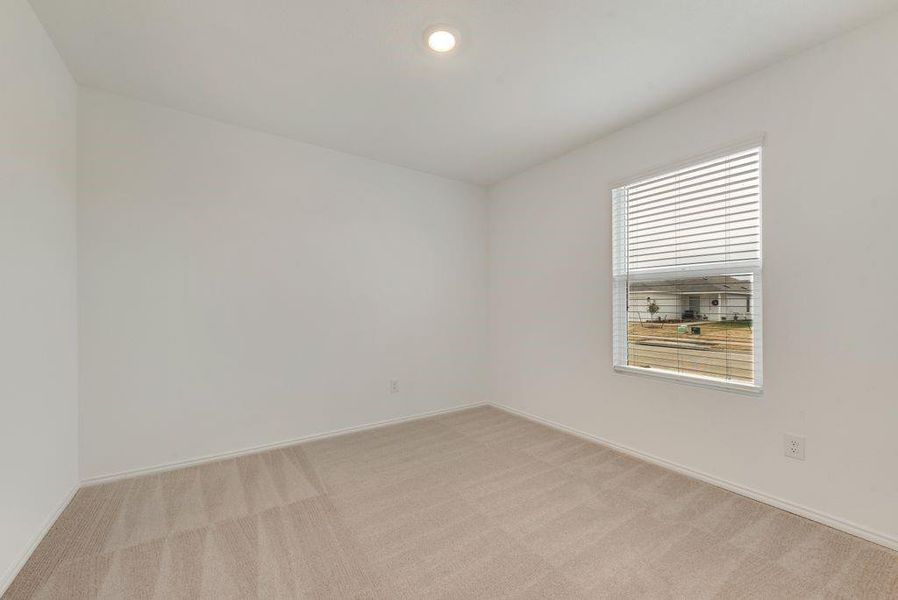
(803, 511)
(272, 446)
(11, 573)
(7, 578)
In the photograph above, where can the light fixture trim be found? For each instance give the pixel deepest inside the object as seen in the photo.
(441, 39)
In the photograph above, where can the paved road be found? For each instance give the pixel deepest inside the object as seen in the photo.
(709, 362)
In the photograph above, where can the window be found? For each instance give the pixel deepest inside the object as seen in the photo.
(687, 272)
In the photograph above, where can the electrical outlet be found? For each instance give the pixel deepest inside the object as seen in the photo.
(394, 386)
(793, 446)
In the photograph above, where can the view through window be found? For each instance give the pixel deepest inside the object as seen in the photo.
(687, 271)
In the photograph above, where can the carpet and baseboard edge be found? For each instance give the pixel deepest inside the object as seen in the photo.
(797, 509)
(171, 466)
(13, 571)
(7, 578)
(802, 511)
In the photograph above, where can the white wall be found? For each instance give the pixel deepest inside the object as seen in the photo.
(830, 216)
(239, 289)
(38, 312)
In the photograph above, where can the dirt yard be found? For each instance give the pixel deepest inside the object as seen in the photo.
(722, 349)
(735, 336)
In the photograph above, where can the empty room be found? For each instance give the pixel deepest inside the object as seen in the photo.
(448, 299)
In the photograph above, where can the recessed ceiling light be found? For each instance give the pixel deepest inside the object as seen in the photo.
(441, 39)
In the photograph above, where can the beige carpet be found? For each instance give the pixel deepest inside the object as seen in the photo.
(474, 504)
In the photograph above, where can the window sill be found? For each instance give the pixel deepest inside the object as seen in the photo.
(748, 389)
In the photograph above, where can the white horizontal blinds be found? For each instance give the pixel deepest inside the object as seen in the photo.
(687, 265)
(705, 214)
(619, 269)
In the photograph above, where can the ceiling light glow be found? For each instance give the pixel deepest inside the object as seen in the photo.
(440, 39)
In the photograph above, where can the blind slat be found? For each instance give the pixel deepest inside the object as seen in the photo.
(641, 185)
(639, 228)
(640, 246)
(704, 228)
(639, 254)
(696, 188)
(681, 214)
(724, 195)
(731, 169)
(681, 236)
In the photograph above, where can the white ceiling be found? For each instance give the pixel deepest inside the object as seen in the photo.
(530, 80)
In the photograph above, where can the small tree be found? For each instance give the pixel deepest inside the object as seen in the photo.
(652, 307)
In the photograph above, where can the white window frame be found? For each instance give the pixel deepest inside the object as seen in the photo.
(621, 278)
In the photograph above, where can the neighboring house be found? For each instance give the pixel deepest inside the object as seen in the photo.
(723, 298)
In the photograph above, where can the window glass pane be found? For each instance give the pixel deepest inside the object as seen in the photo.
(692, 325)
